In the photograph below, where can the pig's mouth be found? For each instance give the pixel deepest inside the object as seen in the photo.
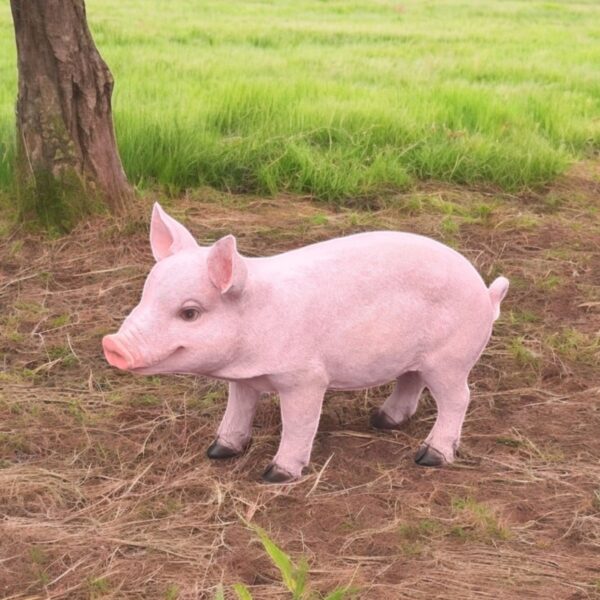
(118, 355)
(160, 366)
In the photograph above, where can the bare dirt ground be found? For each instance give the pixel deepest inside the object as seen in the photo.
(105, 490)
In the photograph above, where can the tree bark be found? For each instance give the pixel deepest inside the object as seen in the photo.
(67, 157)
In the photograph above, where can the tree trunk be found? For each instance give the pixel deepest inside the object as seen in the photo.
(67, 157)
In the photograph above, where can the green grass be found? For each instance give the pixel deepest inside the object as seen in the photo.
(477, 521)
(576, 346)
(294, 577)
(342, 98)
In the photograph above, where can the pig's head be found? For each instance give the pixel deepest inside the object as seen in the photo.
(188, 319)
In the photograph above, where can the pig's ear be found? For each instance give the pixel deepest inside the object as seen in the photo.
(226, 267)
(167, 236)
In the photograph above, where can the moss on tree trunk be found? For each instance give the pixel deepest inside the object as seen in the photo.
(67, 162)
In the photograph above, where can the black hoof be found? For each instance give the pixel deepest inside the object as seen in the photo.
(274, 474)
(218, 450)
(380, 420)
(427, 456)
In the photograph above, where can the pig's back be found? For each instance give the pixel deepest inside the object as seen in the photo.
(365, 299)
(357, 260)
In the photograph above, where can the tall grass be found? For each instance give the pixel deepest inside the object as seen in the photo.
(8, 92)
(344, 98)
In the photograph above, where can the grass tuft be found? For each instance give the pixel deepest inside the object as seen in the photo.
(414, 536)
(477, 521)
(294, 577)
(172, 592)
(576, 346)
(98, 587)
(522, 354)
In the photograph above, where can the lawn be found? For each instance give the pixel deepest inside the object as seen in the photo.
(342, 99)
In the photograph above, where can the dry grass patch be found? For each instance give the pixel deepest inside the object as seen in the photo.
(105, 490)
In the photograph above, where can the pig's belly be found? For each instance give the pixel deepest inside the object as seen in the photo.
(369, 367)
(375, 346)
(343, 381)
(359, 378)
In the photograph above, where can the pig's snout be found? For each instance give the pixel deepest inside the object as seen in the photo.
(116, 354)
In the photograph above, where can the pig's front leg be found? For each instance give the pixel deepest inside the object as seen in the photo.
(235, 430)
(300, 412)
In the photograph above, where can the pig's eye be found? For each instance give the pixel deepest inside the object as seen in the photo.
(189, 314)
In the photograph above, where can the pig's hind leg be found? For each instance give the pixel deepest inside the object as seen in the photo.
(235, 431)
(451, 394)
(401, 404)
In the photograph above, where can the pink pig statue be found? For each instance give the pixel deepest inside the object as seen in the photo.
(345, 314)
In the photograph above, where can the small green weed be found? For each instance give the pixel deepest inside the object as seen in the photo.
(550, 282)
(62, 353)
(10, 328)
(509, 441)
(576, 346)
(60, 321)
(160, 508)
(449, 227)
(220, 593)
(294, 577)
(210, 398)
(522, 354)
(522, 317)
(146, 400)
(553, 203)
(172, 592)
(39, 560)
(414, 536)
(319, 219)
(29, 309)
(37, 555)
(76, 411)
(477, 521)
(15, 248)
(98, 587)
(523, 222)
(242, 592)
(482, 213)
